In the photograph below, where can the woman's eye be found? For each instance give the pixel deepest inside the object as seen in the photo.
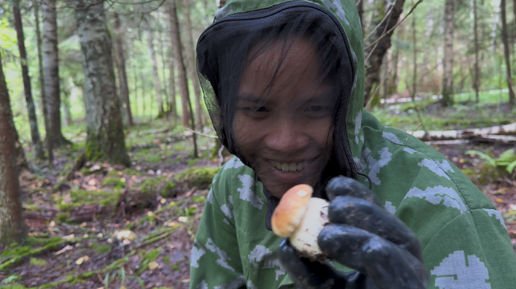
(318, 108)
(259, 109)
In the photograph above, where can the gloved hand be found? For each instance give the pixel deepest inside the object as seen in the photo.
(362, 236)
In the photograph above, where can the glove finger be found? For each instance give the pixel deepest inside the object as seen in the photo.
(376, 220)
(342, 186)
(304, 273)
(384, 262)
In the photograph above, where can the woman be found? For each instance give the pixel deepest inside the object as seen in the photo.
(283, 82)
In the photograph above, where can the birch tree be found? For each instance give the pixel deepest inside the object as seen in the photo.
(51, 73)
(105, 131)
(42, 94)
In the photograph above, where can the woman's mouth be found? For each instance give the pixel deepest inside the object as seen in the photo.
(291, 167)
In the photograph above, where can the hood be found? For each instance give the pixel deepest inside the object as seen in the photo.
(345, 14)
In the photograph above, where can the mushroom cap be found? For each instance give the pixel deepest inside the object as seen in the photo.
(290, 210)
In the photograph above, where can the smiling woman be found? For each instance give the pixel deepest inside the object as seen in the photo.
(283, 122)
(284, 84)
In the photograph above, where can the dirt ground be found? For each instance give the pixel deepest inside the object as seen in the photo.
(85, 253)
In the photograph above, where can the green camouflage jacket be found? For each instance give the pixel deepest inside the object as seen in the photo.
(463, 237)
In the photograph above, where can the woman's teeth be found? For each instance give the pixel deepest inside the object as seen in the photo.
(289, 167)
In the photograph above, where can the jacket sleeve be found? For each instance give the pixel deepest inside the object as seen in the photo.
(215, 260)
(464, 240)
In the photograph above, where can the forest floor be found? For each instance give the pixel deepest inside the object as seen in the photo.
(113, 227)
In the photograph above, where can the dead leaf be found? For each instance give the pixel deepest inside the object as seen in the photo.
(82, 260)
(66, 248)
(183, 219)
(95, 168)
(153, 265)
(125, 235)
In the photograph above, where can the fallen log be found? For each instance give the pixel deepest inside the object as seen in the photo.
(433, 135)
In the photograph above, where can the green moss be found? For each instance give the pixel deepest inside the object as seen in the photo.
(93, 151)
(107, 200)
(167, 189)
(147, 258)
(151, 185)
(63, 217)
(197, 177)
(116, 183)
(192, 162)
(37, 262)
(132, 172)
(101, 249)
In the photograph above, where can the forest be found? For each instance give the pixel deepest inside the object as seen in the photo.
(107, 149)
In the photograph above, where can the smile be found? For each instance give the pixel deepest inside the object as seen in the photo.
(289, 167)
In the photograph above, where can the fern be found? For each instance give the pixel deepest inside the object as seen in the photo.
(487, 158)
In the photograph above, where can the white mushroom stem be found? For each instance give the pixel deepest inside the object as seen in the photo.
(304, 237)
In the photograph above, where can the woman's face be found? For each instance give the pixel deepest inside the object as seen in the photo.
(283, 122)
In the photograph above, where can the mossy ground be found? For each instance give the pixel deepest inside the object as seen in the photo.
(50, 256)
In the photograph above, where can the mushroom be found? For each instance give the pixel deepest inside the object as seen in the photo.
(301, 218)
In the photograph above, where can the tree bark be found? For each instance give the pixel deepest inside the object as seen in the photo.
(31, 110)
(67, 110)
(376, 52)
(507, 54)
(163, 71)
(183, 84)
(50, 56)
(12, 227)
(105, 131)
(447, 89)
(44, 106)
(192, 65)
(122, 74)
(172, 80)
(477, 69)
(155, 73)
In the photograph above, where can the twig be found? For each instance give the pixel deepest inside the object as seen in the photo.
(397, 24)
(193, 190)
(200, 133)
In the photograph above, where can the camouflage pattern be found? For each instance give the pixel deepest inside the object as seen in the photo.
(463, 237)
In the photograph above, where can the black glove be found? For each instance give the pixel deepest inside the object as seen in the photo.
(362, 236)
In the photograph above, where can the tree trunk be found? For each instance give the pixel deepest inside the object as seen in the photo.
(192, 65)
(31, 111)
(51, 59)
(172, 80)
(393, 80)
(183, 84)
(122, 75)
(163, 70)
(135, 94)
(155, 73)
(12, 227)
(376, 52)
(66, 91)
(105, 139)
(477, 69)
(447, 89)
(42, 86)
(507, 54)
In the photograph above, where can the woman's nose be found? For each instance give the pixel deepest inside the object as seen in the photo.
(287, 136)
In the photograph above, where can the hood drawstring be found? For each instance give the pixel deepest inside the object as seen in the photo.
(368, 180)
